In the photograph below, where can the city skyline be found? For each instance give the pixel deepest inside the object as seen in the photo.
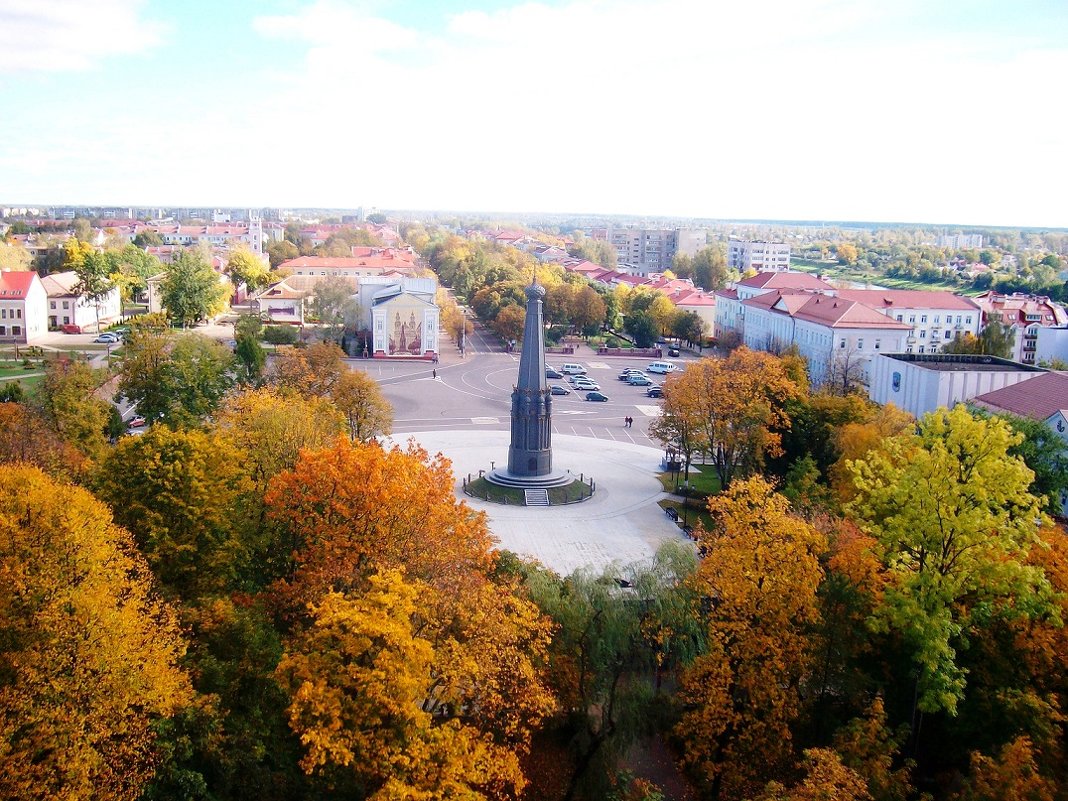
(814, 110)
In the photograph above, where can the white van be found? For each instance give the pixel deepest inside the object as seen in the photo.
(573, 369)
(662, 367)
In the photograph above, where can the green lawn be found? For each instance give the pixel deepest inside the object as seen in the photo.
(705, 482)
(480, 488)
(842, 272)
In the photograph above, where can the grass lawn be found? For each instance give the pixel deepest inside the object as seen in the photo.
(484, 490)
(693, 512)
(843, 272)
(704, 483)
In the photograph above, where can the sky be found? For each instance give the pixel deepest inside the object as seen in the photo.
(938, 111)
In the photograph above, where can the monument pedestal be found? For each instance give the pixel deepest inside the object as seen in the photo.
(503, 478)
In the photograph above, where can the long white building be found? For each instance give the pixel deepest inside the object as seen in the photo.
(744, 255)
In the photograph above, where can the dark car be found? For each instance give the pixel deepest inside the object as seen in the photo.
(556, 389)
(673, 352)
(655, 392)
(551, 372)
(596, 396)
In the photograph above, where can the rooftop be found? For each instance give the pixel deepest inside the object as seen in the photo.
(1039, 398)
(963, 362)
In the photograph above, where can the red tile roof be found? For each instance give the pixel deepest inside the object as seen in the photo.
(1038, 398)
(824, 310)
(909, 299)
(785, 280)
(16, 283)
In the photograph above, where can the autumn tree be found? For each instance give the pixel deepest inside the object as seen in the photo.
(508, 324)
(68, 399)
(26, 437)
(359, 398)
(14, 256)
(245, 267)
(180, 494)
(89, 655)
(847, 253)
(311, 371)
(759, 578)
(825, 778)
(740, 403)
(75, 251)
(360, 681)
(1011, 774)
(192, 291)
(353, 509)
(680, 424)
(954, 520)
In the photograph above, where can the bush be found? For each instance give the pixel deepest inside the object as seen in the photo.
(280, 335)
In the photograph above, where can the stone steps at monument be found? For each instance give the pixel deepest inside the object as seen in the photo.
(536, 497)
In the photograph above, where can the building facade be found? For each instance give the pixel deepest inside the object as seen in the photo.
(1026, 314)
(936, 318)
(68, 307)
(23, 307)
(744, 255)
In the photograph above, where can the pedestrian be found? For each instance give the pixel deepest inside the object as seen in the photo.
(435, 372)
(626, 420)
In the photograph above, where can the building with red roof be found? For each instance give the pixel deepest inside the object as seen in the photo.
(23, 307)
(936, 318)
(1026, 314)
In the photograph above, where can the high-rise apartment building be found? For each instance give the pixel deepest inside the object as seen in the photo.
(644, 251)
(744, 255)
(961, 241)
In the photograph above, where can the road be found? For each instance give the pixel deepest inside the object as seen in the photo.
(475, 393)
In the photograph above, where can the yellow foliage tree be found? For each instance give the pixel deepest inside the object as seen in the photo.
(361, 683)
(358, 397)
(826, 779)
(89, 656)
(760, 575)
(311, 371)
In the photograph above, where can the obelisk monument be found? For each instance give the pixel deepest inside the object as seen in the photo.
(530, 455)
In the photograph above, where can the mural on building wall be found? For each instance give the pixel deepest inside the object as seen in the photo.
(406, 330)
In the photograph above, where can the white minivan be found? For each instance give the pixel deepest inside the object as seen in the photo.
(662, 367)
(573, 369)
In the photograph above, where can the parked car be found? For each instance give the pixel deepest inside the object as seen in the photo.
(108, 338)
(639, 381)
(557, 389)
(662, 367)
(673, 352)
(587, 384)
(655, 392)
(628, 372)
(552, 372)
(137, 422)
(70, 328)
(596, 396)
(573, 369)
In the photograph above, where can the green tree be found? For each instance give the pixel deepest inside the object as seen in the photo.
(83, 230)
(192, 291)
(642, 326)
(176, 379)
(282, 251)
(1043, 451)
(147, 238)
(710, 268)
(335, 306)
(996, 339)
(180, 494)
(131, 267)
(94, 280)
(954, 520)
(251, 357)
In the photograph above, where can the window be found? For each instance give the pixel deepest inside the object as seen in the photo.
(18, 313)
(3, 314)
(967, 319)
(860, 344)
(52, 304)
(923, 318)
(66, 304)
(937, 318)
(908, 349)
(66, 320)
(912, 318)
(841, 344)
(921, 348)
(3, 330)
(923, 334)
(877, 344)
(16, 329)
(900, 318)
(947, 336)
(958, 319)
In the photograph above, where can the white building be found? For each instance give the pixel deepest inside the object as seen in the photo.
(837, 337)
(961, 241)
(936, 318)
(67, 307)
(250, 233)
(23, 307)
(729, 308)
(744, 255)
(921, 383)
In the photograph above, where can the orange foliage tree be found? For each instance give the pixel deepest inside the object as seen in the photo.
(88, 656)
(739, 405)
(759, 577)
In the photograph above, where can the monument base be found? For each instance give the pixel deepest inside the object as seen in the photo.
(503, 478)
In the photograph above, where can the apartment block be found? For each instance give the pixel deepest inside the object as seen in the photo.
(744, 255)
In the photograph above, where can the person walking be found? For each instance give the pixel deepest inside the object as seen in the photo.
(435, 372)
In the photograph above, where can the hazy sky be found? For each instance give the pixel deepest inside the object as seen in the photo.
(943, 111)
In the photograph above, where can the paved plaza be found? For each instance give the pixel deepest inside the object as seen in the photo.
(621, 524)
